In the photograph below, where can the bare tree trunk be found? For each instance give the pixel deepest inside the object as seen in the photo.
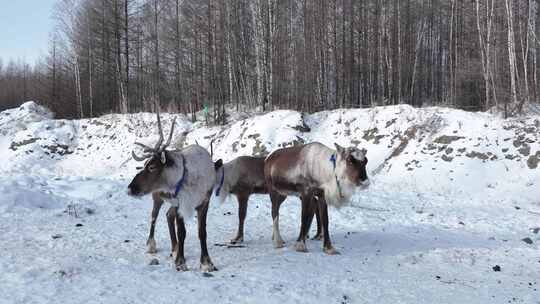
(126, 48)
(525, 54)
(156, 94)
(485, 46)
(399, 66)
(419, 41)
(254, 6)
(78, 87)
(512, 54)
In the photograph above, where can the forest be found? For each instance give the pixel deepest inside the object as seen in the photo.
(125, 56)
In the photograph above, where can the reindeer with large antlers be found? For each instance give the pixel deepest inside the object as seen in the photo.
(184, 178)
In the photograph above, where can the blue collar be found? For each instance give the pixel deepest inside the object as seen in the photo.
(182, 179)
(221, 183)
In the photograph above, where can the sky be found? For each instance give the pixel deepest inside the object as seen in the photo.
(24, 28)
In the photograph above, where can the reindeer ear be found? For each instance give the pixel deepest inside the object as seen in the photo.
(339, 148)
(163, 158)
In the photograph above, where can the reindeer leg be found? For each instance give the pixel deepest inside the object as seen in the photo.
(180, 261)
(151, 242)
(242, 211)
(202, 210)
(323, 211)
(318, 236)
(276, 199)
(171, 218)
(307, 217)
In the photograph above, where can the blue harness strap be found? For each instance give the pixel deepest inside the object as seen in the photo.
(333, 161)
(182, 179)
(221, 182)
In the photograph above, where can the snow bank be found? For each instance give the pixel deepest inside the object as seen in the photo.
(27, 193)
(428, 149)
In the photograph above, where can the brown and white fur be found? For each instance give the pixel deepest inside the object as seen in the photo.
(308, 172)
(242, 177)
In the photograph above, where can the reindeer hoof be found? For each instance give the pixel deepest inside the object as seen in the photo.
(208, 267)
(330, 251)
(317, 237)
(237, 240)
(300, 247)
(151, 243)
(181, 265)
(279, 244)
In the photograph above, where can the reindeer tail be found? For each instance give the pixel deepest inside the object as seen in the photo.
(221, 187)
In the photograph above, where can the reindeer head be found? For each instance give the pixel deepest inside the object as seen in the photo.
(156, 172)
(351, 165)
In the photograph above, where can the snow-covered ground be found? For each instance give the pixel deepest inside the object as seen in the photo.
(454, 197)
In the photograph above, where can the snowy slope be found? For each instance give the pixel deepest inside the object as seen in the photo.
(453, 194)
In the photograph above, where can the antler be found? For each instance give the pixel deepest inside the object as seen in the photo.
(170, 136)
(158, 148)
(160, 131)
(146, 148)
(139, 158)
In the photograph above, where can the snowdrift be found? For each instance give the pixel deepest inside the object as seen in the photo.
(429, 149)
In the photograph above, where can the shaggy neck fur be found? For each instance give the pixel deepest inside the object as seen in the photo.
(332, 175)
(195, 161)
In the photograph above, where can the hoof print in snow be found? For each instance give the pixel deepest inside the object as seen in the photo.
(535, 230)
(496, 268)
(153, 262)
(527, 240)
(56, 236)
(127, 241)
(462, 223)
(79, 225)
(61, 273)
(438, 277)
(207, 275)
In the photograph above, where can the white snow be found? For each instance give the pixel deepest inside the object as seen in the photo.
(452, 195)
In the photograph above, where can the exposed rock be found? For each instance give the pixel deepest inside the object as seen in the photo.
(527, 240)
(15, 145)
(525, 150)
(447, 158)
(479, 155)
(371, 134)
(533, 160)
(447, 139)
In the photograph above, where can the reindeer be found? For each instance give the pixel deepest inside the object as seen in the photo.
(319, 176)
(241, 177)
(184, 178)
